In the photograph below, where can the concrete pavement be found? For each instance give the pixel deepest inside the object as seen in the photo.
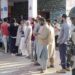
(13, 65)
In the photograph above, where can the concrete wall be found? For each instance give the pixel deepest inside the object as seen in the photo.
(60, 9)
(16, 0)
(56, 14)
(11, 2)
(55, 7)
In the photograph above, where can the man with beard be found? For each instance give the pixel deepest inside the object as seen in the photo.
(42, 45)
(62, 40)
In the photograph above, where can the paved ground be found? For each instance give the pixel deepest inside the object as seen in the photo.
(12, 65)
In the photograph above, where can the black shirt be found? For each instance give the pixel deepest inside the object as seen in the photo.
(13, 30)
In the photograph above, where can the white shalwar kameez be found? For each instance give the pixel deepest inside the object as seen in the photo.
(42, 50)
(28, 35)
(22, 42)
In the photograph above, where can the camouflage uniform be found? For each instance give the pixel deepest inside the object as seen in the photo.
(72, 17)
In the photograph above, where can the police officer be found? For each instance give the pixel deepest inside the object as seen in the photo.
(72, 17)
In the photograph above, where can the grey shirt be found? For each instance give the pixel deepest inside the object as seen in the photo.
(64, 34)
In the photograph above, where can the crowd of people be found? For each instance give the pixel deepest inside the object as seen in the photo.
(37, 39)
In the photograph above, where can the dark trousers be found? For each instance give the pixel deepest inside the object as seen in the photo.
(12, 47)
(73, 71)
(63, 56)
(56, 37)
(0, 44)
(35, 56)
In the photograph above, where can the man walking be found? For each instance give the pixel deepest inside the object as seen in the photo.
(43, 41)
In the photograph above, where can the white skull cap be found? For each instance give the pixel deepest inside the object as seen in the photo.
(28, 22)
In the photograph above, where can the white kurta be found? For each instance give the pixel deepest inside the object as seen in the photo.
(22, 43)
(42, 51)
(28, 35)
(51, 46)
(22, 46)
(18, 38)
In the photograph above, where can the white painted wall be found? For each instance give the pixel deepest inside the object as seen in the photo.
(4, 8)
(32, 7)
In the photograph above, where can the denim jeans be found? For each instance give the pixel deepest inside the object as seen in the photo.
(63, 55)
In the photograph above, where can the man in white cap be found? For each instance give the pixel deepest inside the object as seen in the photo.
(28, 35)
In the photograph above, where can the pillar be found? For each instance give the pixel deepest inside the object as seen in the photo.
(4, 8)
(32, 9)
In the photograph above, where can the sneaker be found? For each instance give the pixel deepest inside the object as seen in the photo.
(43, 71)
(68, 69)
(62, 71)
(13, 54)
(33, 60)
(19, 54)
(28, 57)
(5, 52)
(36, 64)
(51, 66)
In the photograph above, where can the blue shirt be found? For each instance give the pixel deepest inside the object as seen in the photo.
(64, 34)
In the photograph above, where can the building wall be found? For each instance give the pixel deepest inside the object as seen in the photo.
(55, 7)
(17, 0)
(56, 14)
(20, 5)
